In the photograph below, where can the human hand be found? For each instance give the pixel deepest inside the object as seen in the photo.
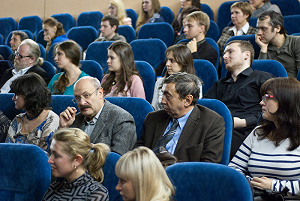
(263, 46)
(127, 21)
(192, 45)
(261, 182)
(67, 117)
(239, 123)
(47, 38)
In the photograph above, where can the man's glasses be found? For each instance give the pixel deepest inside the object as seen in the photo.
(267, 97)
(84, 97)
(21, 56)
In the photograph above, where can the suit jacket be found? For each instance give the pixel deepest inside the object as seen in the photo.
(114, 127)
(201, 139)
(35, 69)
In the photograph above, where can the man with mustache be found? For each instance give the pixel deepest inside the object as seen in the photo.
(103, 121)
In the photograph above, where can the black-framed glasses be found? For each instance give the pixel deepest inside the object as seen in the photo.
(267, 97)
(21, 56)
(83, 96)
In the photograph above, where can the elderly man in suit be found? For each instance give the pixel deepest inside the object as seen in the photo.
(187, 130)
(103, 121)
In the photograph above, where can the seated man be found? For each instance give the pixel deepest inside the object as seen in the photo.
(187, 130)
(239, 90)
(16, 39)
(276, 44)
(27, 60)
(102, 121)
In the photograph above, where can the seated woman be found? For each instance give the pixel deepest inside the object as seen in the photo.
(4, 125)
(260, 6)
(53, 32)
(149, 13)
(38, 122)
(142, 177)
(179, 59)
(80, 163)
(270, 154)
(117, 9)
(122, 79)
(67, 58)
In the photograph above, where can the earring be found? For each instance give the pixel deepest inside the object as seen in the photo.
(75, 167)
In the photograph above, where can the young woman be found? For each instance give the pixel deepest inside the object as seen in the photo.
(179, 59)
(53, 32)
(117, 9)
(149, 13)
(270, 154)
(122, 78)
(38, 122)
(80, 163)
(142, 177)
(67, 57)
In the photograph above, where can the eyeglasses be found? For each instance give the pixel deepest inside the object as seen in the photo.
(21, 56)
(84, 97)
(267, 97)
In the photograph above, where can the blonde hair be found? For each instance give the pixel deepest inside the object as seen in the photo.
(144, 17)
(201, 18)
(76, 142)
(148, 176)
(121, 13)
(245, 8)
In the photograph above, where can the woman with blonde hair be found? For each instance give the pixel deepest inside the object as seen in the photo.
(117, 9)
(142, 177)
(80, 163)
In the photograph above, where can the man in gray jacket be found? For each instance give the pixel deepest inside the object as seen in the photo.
(101, 120)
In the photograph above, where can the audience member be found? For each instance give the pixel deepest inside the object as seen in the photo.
(142, 177)
(149, 13)
(53, 32)
(27, 60)
(240, 15)
(122, 78)
(16, 39)
(117, 9)
(239, 90)
(276, 44)
(260, 6)
(4, 125)
(38, 122)
(80, 163)
(179, 59)
(270, 154)
(187, 130)
(67, 58)
(109, 29)
(102, 121)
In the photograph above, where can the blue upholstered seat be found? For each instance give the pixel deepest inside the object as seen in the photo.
(29, 34)
(128, 32)
(66, 19)
(60, 102)
(292, 23)
(24, 171)
(208, 181)
(31, 23)
(133, 16)
(83, 35)
(91, 18)
(7, 24)
(40, 38)
(213, 31)
(43, 51)
(270, 66)
(5, 51)
(207, 9)
(167, 14)
(49, 68)
(4, 65)
(92, 68)
(224, 15)
(291, 7)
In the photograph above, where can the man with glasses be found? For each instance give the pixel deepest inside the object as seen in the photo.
(239, 90)
(103, 121)
(27, 60)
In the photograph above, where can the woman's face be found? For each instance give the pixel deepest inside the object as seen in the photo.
(126, 189)
(19, 101)
(238, 17)
(49, 32)
(256, 3)
(113, 61)
(60, 59)
(172, 65)
(269, 106)
(112, 10)
(185, 4)
(147, 5)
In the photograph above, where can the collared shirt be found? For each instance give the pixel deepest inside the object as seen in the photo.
(171, 145)
(6, 87)
(90, 125)
(240, 32)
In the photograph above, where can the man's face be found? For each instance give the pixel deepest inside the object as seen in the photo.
(106, 29)
(192, 29)
(234, 58)
(265, 31)
(15, 41)
(173, 105)
(23, 59)
(238, 17)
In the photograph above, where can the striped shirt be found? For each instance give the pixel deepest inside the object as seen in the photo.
(263, 158)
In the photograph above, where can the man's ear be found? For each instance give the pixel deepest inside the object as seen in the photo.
(277, 28)
(188, 100)
(247, 55)
(114, 28)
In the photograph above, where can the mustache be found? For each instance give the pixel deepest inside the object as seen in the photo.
(82, 107)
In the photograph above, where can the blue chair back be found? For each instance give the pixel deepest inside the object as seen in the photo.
(1, 39)
(83, 35)
(224, 15)
(31, 23)
(49, 68)
(60, 102)
(92, 68)
(150, 50)
(66, 19)
(97, 51)
(4, 65)
(110, 178)
(137, 107)
(213, 31)
(7, 105)
(296, 34)
(91, 18)
(40, 38)
(208, 181)
(292, 7)
(148, 76)
(128, 32)
(292, 23)
(43, 51)
(205, 8)
(160, 30)
(298, 76)
(24, 171)
(5, 51)
(220, 108)
(29, 34)
(50, 57)
(133, 15)
(167, 14)
(7, 25)
(253, 21)
(271, 66)
(214, 45)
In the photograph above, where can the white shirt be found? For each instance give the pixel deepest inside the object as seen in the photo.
(240, 32)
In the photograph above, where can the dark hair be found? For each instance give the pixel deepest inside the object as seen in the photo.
(72, 51)
(185, 84)
(112, 21)
(196, 3)
(245, 46)
(52, 22)
(286, 92)
(177, 22)
(124, 52)
(22, 35)
(34, 89)
(276, 19)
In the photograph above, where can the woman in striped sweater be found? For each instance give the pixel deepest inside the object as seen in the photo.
(271, 153)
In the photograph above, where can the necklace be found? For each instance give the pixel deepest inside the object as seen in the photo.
(32, 118)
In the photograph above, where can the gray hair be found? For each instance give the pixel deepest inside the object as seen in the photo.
(22, 34)
(34, 51)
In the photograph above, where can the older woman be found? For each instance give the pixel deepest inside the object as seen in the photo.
(270, 154)
(38, 122)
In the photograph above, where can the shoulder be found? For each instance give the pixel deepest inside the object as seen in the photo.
(135, 78)
(114, 110)
(82, 74)
(205, 112)
(159, 80)
(56, 76)
(157, 116)
(262, 74)
(104, 78)
(251, 30)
